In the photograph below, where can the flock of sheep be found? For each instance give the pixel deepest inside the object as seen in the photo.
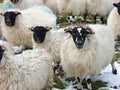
(82, 50)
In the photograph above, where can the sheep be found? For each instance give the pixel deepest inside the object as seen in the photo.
(99, 7)
(113, 20)
(15, 23)
(71, 7)
(50, 40)
(89, 49)
(3, 7)
(24, 4)
(21, 72)
(52, 4)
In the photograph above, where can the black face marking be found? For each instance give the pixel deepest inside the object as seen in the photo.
(39, 34)
(117, 5)
(14, 1)
(1, 53)
(79, 35)
(10, 18)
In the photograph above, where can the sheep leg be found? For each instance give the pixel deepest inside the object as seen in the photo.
(79, 85)
(84, 17)
(95, 17)
(114, 70)
(56, 66)
(102, 19)
(88, 80)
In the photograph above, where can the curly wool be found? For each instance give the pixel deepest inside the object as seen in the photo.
(18, 72)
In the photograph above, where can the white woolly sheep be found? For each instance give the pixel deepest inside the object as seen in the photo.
(113, 21)
(100, 7)
(23, 4)
(3, 7)
(21, 72)
(89, 49)
(16, 23)
(71, 7)
(50, 40)
(52, 4)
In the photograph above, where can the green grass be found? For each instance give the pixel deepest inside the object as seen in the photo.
(1, 1)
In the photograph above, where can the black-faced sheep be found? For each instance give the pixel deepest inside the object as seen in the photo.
(51, 40)
(89, 49)
(15, 23)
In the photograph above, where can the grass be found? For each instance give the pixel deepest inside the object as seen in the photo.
(1, 1)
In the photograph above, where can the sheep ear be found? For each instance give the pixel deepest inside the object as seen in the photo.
(115, 4)
(48, 27)
(17, 13)
(31, 28)
(2, 14)
(68, 30)
(89, 31)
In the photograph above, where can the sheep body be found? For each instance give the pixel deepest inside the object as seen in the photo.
(19, 34)
(113, 22)
(52, 4)
(71, 7)
(23, 4)
(33, 72)
(100, 7)
(92, 58)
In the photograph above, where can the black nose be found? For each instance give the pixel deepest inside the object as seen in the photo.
(8, 22)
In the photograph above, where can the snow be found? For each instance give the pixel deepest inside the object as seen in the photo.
(105, 76)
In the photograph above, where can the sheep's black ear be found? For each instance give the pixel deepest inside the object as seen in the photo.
(115, 4)
(18, 13)
(89, 31)
(31, 28)
(68, 30)
(48, 28)
(2, 14)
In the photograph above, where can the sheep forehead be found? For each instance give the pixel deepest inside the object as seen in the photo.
(79, 29)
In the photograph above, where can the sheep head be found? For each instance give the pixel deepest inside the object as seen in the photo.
(117, 5)
(10, 17)
(39, 33)
(14, 1)
(79, 35)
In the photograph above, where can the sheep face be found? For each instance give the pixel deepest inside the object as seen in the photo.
(79, 35)
(14, 1)
(39, 33)
(1, 53)
(117, 5)
(10, 17)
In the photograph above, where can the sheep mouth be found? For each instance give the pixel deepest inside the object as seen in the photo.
(38, 41)
(79, 46)
(9, 24)
(14, 1)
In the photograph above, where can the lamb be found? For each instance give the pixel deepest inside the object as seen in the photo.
(113, 20)
(100, 7)
(24, 4)
(89, 49)
(50, 40)
(15, 23)
(21, 72)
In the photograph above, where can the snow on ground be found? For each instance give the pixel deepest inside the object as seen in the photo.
(105, 76)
